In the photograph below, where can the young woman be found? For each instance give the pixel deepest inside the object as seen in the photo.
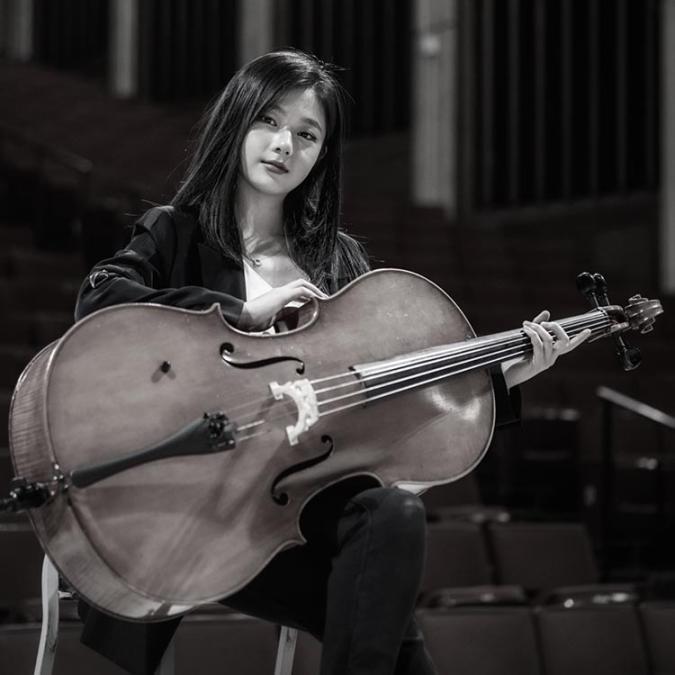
(254, 227)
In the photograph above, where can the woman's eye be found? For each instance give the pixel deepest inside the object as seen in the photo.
(267, 119)
(308, 135)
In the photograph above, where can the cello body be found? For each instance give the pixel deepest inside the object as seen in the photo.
(156, 541)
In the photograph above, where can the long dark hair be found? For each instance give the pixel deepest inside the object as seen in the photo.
(312, 210)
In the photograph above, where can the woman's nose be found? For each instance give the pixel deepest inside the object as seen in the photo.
(283, 143)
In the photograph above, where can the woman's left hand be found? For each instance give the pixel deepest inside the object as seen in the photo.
(546, 348)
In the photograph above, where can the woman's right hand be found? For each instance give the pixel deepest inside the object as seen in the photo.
(259, 314)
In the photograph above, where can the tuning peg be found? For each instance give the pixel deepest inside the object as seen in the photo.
(586, 285)
(629, 356)
(601, 289)
(594, 289)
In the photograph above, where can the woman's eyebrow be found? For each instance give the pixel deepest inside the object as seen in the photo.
(312, 122)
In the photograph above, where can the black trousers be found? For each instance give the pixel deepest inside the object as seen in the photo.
(353, 585)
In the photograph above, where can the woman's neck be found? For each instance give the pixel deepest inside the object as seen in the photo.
(259, 217)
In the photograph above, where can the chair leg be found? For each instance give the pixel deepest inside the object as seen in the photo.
(167, 665)
(286, 651)
(49, 633)
(50, 619)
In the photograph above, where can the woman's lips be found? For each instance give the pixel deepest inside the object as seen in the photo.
(275, 168)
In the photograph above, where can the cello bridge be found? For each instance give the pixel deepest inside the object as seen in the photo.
(302, 394)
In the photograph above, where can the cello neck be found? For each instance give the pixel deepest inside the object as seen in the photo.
(507, 345)
(422, 368)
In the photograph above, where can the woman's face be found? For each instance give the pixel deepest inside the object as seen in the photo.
(284, 144)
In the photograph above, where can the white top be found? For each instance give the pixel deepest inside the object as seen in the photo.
(256, 286)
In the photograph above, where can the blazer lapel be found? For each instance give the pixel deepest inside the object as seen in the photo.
(220, 273)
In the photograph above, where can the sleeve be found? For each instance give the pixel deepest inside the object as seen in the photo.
(140, 273)
(507, 402)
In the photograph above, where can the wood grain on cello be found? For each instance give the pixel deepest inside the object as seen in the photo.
(180, 451)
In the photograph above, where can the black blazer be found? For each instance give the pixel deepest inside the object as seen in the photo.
(168, 262)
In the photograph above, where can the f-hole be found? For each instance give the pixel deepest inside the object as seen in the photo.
(282, 498)
(227, 351)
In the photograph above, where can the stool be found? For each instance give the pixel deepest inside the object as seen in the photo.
(50, 631)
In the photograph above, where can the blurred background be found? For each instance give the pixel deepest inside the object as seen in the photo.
(498, 147)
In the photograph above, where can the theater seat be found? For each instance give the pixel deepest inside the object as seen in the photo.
(658, 619)
(542, 555)
(473, 596)
(478, 641)
(592, 640)
(456, 556)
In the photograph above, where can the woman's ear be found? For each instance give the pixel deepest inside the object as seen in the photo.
(324, 150)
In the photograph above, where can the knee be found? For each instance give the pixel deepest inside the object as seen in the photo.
(399, 510)
(407, 507)
(390, 523)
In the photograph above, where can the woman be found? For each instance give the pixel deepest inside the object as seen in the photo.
(254, 228)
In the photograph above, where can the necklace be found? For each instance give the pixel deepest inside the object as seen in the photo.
(269, 250)
(255, 261)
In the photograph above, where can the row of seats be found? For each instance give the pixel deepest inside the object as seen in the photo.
(463, 641)
(535, 556)
(586, 640)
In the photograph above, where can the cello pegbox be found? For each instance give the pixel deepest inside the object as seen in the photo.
(641, 313)
(594, 288)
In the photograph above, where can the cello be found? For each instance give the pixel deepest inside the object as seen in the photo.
(164, 456)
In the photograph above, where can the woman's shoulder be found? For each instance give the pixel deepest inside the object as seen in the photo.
(171, 228)
(160, 218)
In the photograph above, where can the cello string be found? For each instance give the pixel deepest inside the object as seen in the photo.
(413, 385)
(422, 384)
(474, 345)
(250, 425)
(474, 362)
(523, 341)
(475, 353)
(459, 368)
(250, 436)
(584, 320)
(429, 359)
(459, 347)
